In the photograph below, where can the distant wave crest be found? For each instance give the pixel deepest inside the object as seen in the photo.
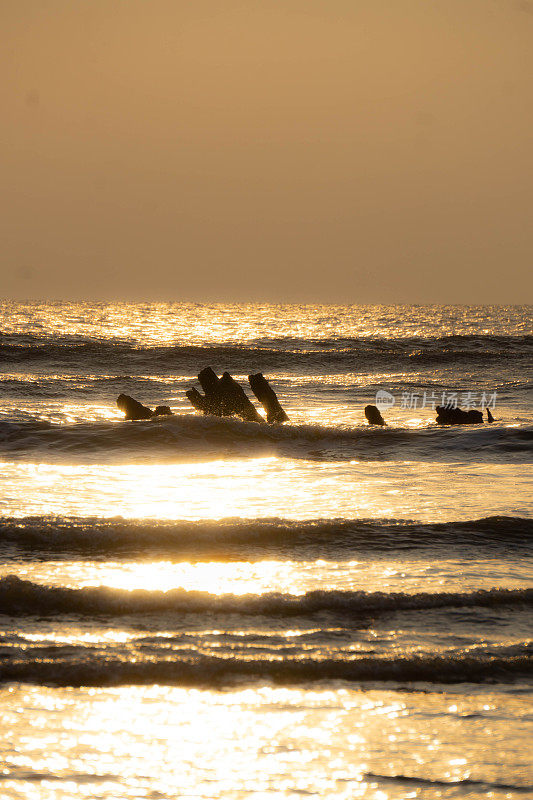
(289, 353)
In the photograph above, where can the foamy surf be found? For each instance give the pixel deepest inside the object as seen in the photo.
(186, 437)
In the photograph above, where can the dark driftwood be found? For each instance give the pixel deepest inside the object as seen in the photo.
(267, 397)
(373, 415)
(457, 416)
(198, 401)
(235, 396)
(135, 410)
(132, 408)
(162, 411)
(209, 380)
(216, 400)
(222, 397)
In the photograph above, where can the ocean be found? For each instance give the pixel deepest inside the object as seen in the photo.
(202, 607)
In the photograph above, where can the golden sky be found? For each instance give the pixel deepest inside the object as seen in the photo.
(284, 150)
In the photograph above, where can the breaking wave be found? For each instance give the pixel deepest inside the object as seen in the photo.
(22, 597)
(187, 436)
(241, 538)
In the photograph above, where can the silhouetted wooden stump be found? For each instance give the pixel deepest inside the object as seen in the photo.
(457, 416)
(222, 397)
(216, 399)
(267, 397)
(132, 408)
(373, 415)
(198, 401)
(235, 396)
(162, 411)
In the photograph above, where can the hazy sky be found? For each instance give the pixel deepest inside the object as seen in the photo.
(313, 150)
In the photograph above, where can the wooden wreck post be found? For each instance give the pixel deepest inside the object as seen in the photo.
(267, 397)
(214, 395)
(236, 396)
(198, 400)
(222, 397)
(373, 415)
(132, 408)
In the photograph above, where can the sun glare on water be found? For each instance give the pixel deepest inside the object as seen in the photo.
(265, 741)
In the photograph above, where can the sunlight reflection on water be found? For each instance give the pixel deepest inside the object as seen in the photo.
(264, 741)
(288, 577)
(266, 487)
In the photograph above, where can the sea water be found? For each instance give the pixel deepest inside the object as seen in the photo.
(202, 608)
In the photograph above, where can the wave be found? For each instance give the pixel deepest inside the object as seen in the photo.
(243, 539)
(338, 353)
(296, 391)
(187, 436)
(86, 669)
(487, 786)
(44, 387)
(14, 772)
(23, 597)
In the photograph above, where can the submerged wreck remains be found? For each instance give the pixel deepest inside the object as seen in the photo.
(458, 416)
(222, 397)
(135, 410)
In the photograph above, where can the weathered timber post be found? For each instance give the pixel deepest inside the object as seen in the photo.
(373, 415)
(216, 400)
(236, 397)
(267, 397)
(222, 397)
(198, 401)
(457, 416)
(132, 408)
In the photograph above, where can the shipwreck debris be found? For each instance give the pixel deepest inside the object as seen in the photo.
(267, 397)
(373, 415)
(225, 397)
(457, 416)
